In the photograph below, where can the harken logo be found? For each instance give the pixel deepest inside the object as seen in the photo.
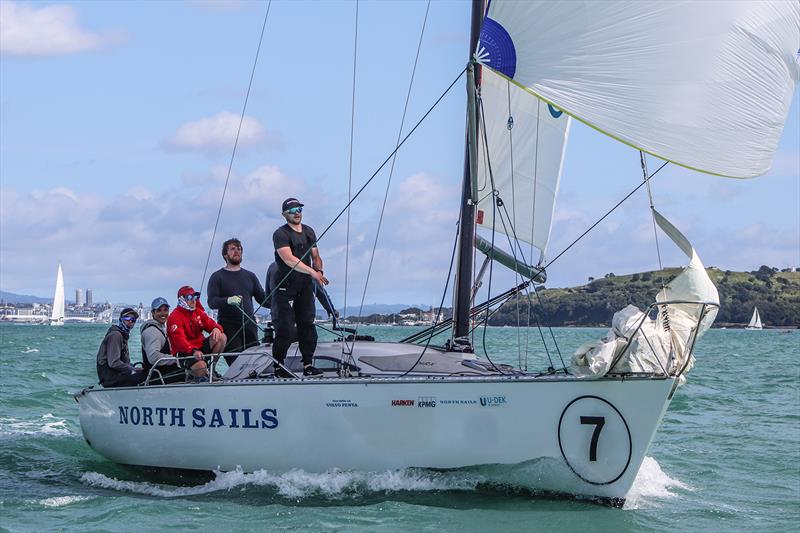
(492, 401)
(426, 401)
(402, 403)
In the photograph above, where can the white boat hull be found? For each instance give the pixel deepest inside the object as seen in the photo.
(380, 424)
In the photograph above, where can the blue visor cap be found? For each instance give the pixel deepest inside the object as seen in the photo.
(158, 302)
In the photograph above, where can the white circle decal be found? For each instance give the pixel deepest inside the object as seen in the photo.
(595, 440)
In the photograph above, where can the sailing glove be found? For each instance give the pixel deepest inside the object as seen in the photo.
(235, 300)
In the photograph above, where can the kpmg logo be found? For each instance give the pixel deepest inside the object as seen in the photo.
(402, 403)
(426, 401)
(493, 401)
(200, 417)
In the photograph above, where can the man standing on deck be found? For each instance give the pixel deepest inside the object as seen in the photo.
(114, 367)
(299, 263)
(231, 290)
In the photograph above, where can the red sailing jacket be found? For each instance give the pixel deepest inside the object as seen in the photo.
(185, 329)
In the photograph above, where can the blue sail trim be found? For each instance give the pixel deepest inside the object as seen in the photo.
(496, 49)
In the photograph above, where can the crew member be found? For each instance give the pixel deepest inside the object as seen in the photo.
(231, 290)
(185, 327)
(114, 367)
(155, 346)
(299, 263)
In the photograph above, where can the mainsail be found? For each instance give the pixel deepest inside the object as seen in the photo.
(705, 85)
(57, 316)
(523, 147)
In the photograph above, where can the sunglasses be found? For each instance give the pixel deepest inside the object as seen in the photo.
(129, 318)
(192, 297)
(294, 210)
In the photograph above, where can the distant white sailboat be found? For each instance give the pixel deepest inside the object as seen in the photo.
(57, 317)
(755, 320)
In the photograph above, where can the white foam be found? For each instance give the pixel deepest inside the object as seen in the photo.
(61, 501)
(297, 484)
(651, 484)
(47, 424)
(28, 349)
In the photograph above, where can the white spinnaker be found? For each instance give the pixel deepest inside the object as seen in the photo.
(58, 298)
(706, 85)
(537, 140)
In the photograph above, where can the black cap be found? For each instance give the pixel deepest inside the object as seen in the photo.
(129, 311)
(290, 203)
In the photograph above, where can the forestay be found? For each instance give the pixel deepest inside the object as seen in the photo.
(706, 85)
(524, 147)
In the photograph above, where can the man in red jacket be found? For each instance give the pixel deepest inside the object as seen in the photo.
(185, 327)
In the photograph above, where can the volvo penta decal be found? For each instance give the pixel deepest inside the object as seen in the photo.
(199, 417)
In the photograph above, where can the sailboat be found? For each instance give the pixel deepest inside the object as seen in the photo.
(57, 316)
(715, 102)
(755, 320)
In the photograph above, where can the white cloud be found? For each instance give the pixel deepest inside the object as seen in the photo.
(27, 31)
(216, 135)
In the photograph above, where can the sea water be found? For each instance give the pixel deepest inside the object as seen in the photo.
(726, 457)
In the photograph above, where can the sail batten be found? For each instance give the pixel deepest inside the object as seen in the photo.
(704, 85)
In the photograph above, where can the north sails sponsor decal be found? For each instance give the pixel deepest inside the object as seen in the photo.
(402, 403)
(199, 417)
(461, 401)
(493, 401)
(341, 403)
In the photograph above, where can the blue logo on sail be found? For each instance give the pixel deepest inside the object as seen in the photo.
(555, 113)
(496, 49)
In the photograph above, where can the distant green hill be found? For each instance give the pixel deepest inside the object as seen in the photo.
(777, 295)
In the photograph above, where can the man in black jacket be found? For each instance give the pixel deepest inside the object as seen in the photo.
(114, 367)
(231, 290)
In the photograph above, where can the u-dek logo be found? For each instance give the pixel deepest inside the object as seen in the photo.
(402, 403)
(426, 401)
(493, 401)
(199, 417)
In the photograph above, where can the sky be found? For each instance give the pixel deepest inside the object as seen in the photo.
(117, 122)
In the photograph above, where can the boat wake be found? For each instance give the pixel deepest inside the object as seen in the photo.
(47, 425)
(652, 483)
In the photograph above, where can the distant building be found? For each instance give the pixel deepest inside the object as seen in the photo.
(89, 297)
(79, 301)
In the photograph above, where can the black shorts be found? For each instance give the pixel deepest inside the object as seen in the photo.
(206, 347)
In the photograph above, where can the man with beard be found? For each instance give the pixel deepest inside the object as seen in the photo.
(114, 367)
(231, 290)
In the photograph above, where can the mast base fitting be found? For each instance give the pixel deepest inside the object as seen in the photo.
(459, 344)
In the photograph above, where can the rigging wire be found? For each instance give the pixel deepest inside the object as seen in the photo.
(394, 158)
(510, 127)
(598, 221)
(372, 177)
(235, 144)
(441, 303)
(350, 171)
(498, 201)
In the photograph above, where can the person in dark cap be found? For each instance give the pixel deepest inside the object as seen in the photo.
(299, 263)
(155, 346)
(185, 327)
(114, 367)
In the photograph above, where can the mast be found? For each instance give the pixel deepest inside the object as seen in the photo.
(462, 289)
